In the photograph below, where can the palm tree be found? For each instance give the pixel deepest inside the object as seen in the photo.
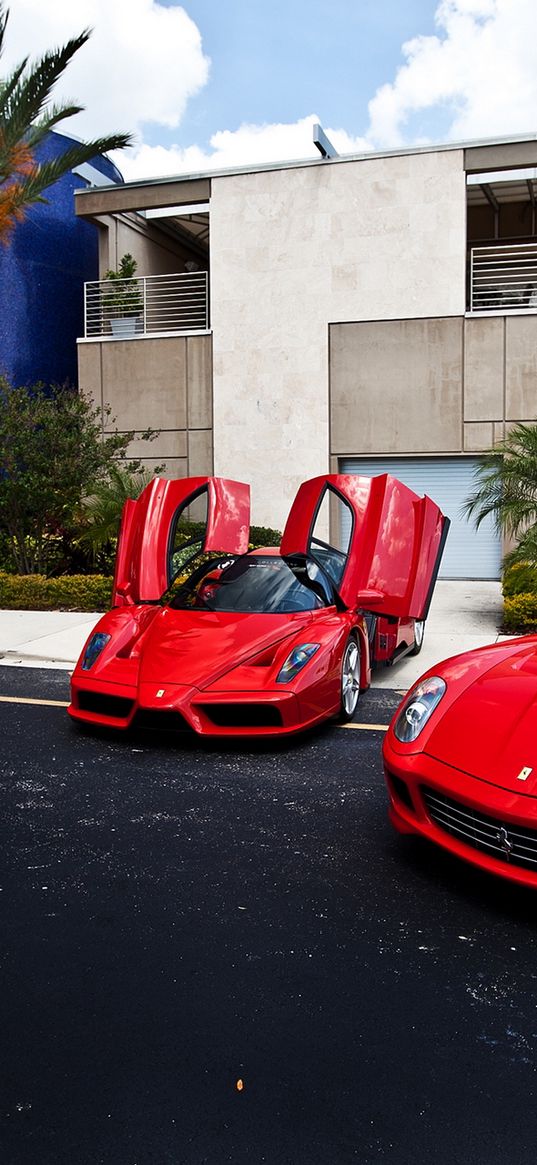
(26, 116)
(506, 488)
(100, 513)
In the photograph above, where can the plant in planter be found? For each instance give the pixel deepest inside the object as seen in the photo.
(123, 303)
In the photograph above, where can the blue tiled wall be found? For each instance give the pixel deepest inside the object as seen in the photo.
(42, 273)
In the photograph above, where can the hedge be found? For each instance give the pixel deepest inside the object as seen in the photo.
(71, 592)
(519, 586)
(520, 614)
(519, 579)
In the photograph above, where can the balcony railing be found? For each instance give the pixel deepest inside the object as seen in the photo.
(503, 278)
(150, 305)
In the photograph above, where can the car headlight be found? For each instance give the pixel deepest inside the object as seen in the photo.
(418, 707)
(296, 660)
(94, 648)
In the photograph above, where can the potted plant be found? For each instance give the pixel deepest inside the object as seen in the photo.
(123, 303)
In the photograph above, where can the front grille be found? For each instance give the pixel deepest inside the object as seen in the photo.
(514, 844)
(166, 721)
(243, 715)
(116, 707)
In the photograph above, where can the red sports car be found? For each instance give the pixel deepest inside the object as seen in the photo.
(460, 758)
(206, 636)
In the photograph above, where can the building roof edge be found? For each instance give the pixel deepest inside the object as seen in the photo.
(307, 163)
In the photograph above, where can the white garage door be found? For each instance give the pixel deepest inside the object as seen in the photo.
(469, 553)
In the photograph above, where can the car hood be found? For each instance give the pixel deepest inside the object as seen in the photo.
(195, 648)
(490, 731)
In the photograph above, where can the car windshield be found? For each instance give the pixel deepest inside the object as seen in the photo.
(263, 584)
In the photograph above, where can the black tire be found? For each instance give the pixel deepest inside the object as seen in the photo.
(419, 632)
(350, 680)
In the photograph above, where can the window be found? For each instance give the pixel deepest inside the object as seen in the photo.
(187, 536)
(334, 514)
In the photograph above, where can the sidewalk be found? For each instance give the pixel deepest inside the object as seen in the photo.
(44, 638)
(463, 615)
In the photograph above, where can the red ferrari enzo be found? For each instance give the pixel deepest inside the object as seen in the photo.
(460, 758)
(206, 636)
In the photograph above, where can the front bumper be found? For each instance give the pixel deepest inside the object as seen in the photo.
(181, 708)
(492, 828)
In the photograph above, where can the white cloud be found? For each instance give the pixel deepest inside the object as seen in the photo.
(248, 145)
(481, 69)
(142, 63)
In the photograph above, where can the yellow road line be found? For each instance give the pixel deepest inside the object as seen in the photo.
(27, 700)
(366, 727)
(65, 704)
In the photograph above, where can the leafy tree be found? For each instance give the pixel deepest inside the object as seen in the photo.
(26, 116)
(506, 488)
(52, 452)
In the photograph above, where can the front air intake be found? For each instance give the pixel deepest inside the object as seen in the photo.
(101, 704)
(166, 721)
(242, 715)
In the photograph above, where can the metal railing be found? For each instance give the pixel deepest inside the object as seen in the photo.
(149, 305)
(503, 278)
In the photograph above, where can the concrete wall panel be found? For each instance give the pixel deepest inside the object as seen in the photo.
(396, 386)
(521, 367)
(90, 372)
(167, 446)
(146, 382)
(484, 369)
(200, 452)
(478, 436)
(199, 373)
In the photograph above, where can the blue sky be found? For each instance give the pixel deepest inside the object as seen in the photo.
(279, 61)
(216, 83)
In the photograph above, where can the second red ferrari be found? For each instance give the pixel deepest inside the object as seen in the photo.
(460, 759)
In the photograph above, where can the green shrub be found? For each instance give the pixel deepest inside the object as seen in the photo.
(519, 579)
(34, 592)
(264, 536)
(259, 535)
(520, 614)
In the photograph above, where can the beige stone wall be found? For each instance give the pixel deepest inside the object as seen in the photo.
(295, 250)
(162, 384)
(430, 386)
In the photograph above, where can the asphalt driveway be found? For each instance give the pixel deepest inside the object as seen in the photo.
(177, 918)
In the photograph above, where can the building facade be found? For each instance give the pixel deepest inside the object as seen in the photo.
(353, 314)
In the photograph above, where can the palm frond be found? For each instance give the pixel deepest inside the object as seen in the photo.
(45, 174)
(54, 114)
(525, 552)
(27, 115)
(100, 512)
(31, 94)
(506, 484)
(4, 17)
